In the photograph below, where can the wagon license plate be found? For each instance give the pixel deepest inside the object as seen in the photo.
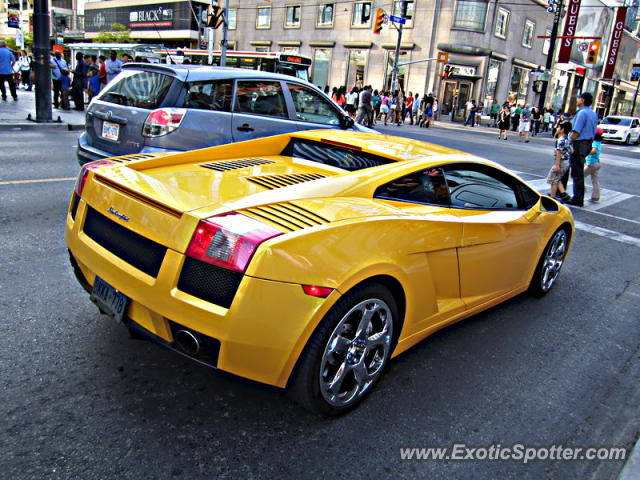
(108, 299)
(110, 130)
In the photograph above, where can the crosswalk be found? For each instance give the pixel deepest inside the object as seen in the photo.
(608, 198)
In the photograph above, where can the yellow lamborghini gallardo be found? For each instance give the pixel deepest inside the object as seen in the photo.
(306, 261)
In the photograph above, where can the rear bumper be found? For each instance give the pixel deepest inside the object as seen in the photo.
(88, 153)
(261, 334)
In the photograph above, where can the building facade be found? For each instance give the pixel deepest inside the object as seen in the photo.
(66, 19)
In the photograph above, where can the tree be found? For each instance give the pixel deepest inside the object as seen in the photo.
(117, 34)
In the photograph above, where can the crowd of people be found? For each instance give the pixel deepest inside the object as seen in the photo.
(368, 106)
(90, 75)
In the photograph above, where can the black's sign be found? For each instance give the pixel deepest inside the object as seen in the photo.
(158, 16)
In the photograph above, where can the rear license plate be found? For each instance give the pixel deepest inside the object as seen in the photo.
(108, 299)
(110, 130)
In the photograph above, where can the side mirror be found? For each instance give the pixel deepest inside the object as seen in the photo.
(346, 122)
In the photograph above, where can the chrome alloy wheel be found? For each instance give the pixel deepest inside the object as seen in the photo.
(356, 352)
(554, 259)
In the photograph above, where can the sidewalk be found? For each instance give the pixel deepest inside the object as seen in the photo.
(14, 115)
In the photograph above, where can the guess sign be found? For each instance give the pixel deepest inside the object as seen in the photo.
(573, 9)
(614, 44)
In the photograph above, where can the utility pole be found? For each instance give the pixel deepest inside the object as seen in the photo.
(635, 98)
(42, 60)
(394, 78)
(20, 32)
(551, 54)
(225, 28)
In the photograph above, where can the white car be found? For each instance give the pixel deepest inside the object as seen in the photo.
(618, 128)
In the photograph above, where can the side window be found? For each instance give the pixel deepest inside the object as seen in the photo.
(472, 186)
(209, 95)
(138, 89)
(261, 98)
(426, 186)
(311, 107)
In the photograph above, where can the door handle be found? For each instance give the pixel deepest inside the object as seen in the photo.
(246, 128)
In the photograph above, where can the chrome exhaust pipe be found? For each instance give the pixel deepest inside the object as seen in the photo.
(187, 342)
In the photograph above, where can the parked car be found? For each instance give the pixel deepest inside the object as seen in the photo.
(619, 128)
(305, 261)
(158, 108)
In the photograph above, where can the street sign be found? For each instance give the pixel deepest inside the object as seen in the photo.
(443, 57)
(396, 19)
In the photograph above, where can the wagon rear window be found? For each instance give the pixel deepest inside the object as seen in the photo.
(138, 89)
(333, 155)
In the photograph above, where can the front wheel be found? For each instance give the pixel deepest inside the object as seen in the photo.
(627, 141)
(550, 263)
(347, 353)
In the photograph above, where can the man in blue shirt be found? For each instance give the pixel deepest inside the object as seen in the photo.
(584, 129)
(6, 71)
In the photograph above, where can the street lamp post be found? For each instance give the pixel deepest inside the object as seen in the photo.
(394, 77)
(551, 53)
(42, 60)
(225, 28)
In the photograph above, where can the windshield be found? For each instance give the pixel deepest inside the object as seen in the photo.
(294, 71)
(625, 122)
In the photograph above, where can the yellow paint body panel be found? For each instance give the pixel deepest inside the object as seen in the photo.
(450, 263)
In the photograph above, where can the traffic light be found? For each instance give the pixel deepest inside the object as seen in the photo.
(592, 53)
(215, 16)
(446, 73)
(379, 21)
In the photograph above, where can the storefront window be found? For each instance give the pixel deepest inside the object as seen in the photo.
(492, 80)
(470, 15)
(321, 61)
(356, 68)
(402, 70)
(519, 85)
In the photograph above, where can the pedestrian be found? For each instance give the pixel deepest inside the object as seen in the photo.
(408, 108)
(582, 135)
(434, 116)
(504, 119)
(352, 102)
(562, 155)
(79, 83)
(471, 113)
(593, 165)
(102, 68)
(338, 97)
(399, 107)
(126, 58)
(113, 66)
(479, 110)
(415, 109)
(60, 80)
(365, 109)
(26, 62)
(546, 119)
(524, 125)
(93, 84)
(495, 110)
(515, 115)
(385, 107)
(6, 71)
(536, 117)
(375, 103)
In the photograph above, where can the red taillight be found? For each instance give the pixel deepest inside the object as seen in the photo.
(229, 241)
(163, 121)
(84, 173)
(316, 291)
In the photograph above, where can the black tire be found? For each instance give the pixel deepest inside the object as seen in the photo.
(627, 141)
(538, 286)
(305, 385)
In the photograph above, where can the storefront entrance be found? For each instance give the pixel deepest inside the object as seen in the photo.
(455, 95)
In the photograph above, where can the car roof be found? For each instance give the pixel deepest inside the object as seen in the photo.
(208, 72)
(620, 116)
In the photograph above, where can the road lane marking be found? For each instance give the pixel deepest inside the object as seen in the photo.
(38, 180)
(606, 233)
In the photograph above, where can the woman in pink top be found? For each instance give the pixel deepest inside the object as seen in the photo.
(384, 106)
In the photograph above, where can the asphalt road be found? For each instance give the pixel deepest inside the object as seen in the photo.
(80, 400)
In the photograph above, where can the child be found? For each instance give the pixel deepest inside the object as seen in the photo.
(593, 165)
(561, 164)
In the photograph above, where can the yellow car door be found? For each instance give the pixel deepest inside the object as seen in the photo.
(500, 231)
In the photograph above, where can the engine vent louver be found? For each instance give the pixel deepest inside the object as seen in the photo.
(286, 215)
(224, 165)
(278, 181)
(131, 158)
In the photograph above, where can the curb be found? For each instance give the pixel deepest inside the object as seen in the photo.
(25, 125)
(631, 469)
